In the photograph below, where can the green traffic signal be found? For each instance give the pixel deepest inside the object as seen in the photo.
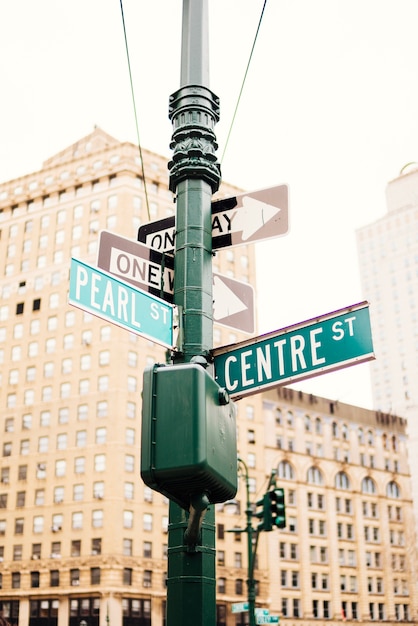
(264, 514)
(277, 507)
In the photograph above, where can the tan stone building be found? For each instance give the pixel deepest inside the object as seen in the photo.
(82, 539)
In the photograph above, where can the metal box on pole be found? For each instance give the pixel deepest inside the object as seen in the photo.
(188, 434)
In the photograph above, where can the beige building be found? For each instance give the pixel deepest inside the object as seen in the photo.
(82, 539)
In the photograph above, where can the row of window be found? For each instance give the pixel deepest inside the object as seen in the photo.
(291, 607)
(94, 548)
(74, 576)
(67, 390)
(67, 366)
(79, 607)
(83, 413)
(62, 441)
(39, 523)
(338, 454)
(314, 476)
(61, 466)
(338, 431)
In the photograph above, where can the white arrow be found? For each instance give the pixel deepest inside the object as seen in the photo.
(253, 215)
(225, 301)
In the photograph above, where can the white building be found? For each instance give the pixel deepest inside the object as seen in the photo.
(388, 257)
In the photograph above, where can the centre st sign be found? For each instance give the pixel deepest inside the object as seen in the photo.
(323, 344)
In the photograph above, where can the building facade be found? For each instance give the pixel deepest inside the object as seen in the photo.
(348, 550)
(83, 542)
(388, 262)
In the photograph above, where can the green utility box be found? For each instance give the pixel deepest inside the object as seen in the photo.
(189, 441)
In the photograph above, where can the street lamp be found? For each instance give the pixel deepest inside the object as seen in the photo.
(252, 542)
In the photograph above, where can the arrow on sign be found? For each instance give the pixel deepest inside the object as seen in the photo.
(233, 303)
(239, 220)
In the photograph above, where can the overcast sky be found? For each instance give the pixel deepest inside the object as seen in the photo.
(329, 107)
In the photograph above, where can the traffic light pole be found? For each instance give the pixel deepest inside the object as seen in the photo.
(252, 544)
(194, 177)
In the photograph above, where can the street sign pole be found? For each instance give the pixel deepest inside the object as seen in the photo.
(194, 177)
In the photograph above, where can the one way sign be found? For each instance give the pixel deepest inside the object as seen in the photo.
(242, 219)
(151, 271)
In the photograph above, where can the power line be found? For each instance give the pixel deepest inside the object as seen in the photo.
(135, 111)
(244, 79)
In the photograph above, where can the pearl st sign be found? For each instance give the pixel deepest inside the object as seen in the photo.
(323, 344)
(111, 299)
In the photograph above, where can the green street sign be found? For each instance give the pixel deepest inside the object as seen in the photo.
(240, 607)
(111, 299)
(267, 619)
(323, 344)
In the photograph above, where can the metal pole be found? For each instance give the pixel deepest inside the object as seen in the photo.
(251, 585)
(194, 177)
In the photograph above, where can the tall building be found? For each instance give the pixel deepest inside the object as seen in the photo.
(388, 261)
(83, 542)
(81, 537)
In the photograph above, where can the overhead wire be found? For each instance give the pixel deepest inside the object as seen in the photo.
(243, 81)
(135, 109)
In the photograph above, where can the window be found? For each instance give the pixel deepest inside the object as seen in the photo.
(101, 434)
(77, 520)
(314, 476)
(60, 467)
(96, 546)
(54, 578)
(147, 578)
(285, 470)
(147, 550)
(97, 518)
(128, 547)
(80, 465)
(128, 519)
(75, 577)
(127, 576)
(368, 485)
(392, 490)
(19, 526)
(100, 462)
(342, 481)
(95, 575)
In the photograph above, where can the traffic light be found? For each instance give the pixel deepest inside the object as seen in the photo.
(264, 514)
(277, 507)
(271, 510)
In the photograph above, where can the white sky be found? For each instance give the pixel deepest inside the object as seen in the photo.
(330, 107)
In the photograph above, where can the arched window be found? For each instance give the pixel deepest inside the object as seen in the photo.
(290, 419)
(285, 470)
(368, 485)
(314, 476)
(392, 490)
(318, 426)
(334, 430)
(308, 424)
(342, 481)
(344, 432)
(394, 444)
(360, 435)
(370, 437)
(385, 441)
